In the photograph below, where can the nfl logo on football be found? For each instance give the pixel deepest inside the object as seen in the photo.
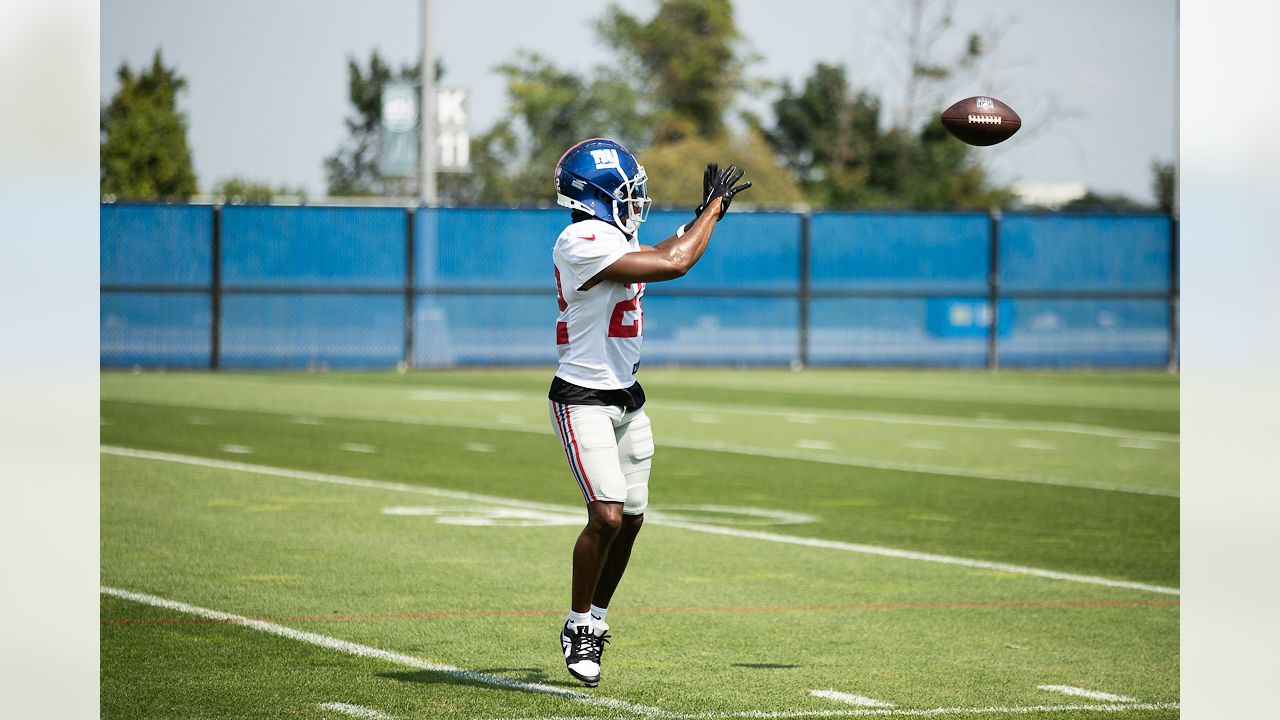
(985, 104)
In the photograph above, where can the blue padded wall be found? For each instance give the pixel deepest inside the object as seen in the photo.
(264, 246)
(900, 251)
(1080, 252)
(1094, 333)
(155, 245)
(154, 329)
(302, 331)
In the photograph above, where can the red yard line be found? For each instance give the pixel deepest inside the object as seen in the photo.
(336, 617)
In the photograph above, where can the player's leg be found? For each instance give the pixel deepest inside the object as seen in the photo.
(635, 454)
(590, 445)
(593, 551)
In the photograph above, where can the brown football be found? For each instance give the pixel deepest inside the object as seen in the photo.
(981, 120)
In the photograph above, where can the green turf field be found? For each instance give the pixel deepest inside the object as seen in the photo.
(819, 544)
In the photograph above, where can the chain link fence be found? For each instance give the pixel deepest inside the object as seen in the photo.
(375, 287)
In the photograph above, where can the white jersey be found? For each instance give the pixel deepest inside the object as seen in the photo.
(599, 331)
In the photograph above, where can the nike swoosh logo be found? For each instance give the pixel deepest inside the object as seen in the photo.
(588, 237)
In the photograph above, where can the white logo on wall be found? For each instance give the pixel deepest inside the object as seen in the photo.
(606, 158)
(399, 109)
(451, 120)
(986, 104)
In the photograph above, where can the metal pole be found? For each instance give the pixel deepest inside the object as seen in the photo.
(427, 116)
(408, 287)
(1177, 72)
(993, 291)
(1174, 260)
(804, 289)
(215, 293)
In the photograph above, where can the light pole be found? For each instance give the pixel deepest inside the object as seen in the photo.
(427, 125)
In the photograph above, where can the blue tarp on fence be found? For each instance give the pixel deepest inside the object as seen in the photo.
(329, 286)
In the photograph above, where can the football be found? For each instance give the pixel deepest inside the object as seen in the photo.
(981, 120)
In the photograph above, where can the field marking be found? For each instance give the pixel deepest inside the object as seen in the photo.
(479, 447)
(849, 698)
(199, 421)
(456, 614)
(657, 519)
(366, 651)
(237, 449)
(917, 468)
(442, 393)
(929, 420)
(805, 444)
(513, 424)
(355, 711)
(924, 712)
(358, 448)
(1081, 692)
(1029, 444)
(925, 444)
(1138, 444)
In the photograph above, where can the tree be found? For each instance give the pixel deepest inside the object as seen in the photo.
(238, 191)
(688, 59)
(830, 136)
(1164, 184)
(926, 23)
(549, 110)
(675, 171)
(1104, 202)
(143, 150)
(353, 169)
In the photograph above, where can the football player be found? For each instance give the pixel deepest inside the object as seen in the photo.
(597, 407)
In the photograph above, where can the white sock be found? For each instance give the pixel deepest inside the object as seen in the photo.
(577, 618)
(598, 613)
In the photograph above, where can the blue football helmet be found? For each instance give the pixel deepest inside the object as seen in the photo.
(601, 178)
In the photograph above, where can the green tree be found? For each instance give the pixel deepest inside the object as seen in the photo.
(353, 169)
(1103, 202)
(830, 136)
(675, 171)
(549, 110)
(1164, 183)
(687, 59)
(143, 151)
(238, 191)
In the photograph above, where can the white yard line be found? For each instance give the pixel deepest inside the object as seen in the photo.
(932, 420)
(446, 394)
(657, 519)
(1081, 692)
(358, 448)
(511, 423)
(350, 648)
(849, 698)
(925, 712)
(917, 468)
(358, 711)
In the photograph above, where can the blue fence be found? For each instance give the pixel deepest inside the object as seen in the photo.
(297, 287)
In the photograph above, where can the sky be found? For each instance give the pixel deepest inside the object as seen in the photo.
(1095, 81)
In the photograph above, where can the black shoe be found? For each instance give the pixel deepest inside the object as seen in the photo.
(582, 647)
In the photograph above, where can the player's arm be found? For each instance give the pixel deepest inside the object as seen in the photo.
(667, 260)
(673, 257)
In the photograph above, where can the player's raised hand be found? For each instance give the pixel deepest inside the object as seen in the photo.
(724, 186)
(708, 177)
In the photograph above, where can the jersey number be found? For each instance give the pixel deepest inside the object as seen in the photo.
(617, 328)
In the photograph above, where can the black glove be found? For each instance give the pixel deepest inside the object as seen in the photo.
(708, 176)
(723, 187)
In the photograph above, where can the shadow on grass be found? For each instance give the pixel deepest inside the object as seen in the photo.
(528, 675)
